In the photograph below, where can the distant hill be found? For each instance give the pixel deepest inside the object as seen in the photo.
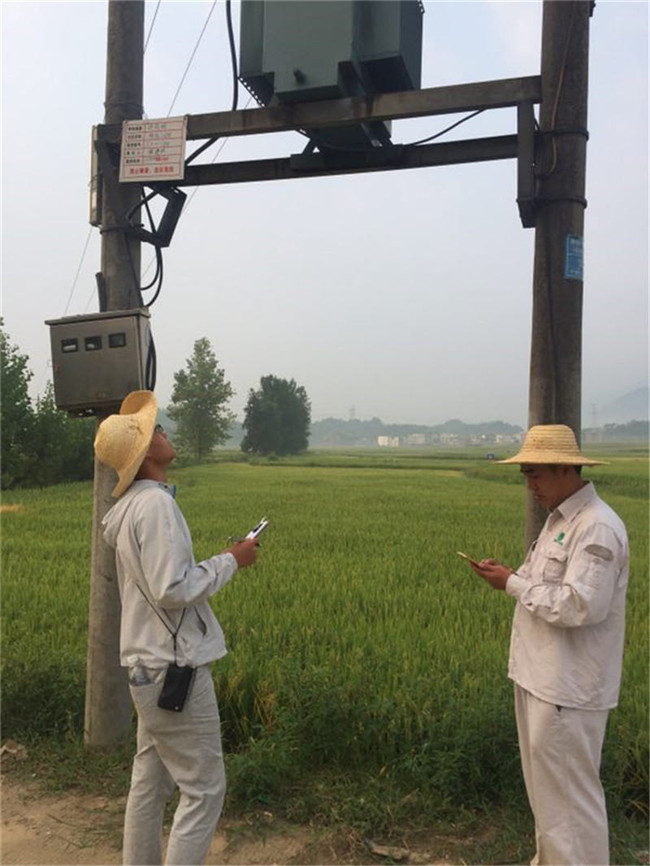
(337, 433)
(632, 406)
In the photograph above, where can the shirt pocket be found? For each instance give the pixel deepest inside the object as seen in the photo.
(554, 567)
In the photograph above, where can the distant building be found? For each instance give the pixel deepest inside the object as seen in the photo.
(508, 438)
(388, 441)
(416, 439)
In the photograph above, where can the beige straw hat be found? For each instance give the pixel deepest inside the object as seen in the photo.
(123, 440)
(551, 443)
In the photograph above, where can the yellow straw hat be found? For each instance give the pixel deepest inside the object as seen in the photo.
(551, 443)
(123, 440)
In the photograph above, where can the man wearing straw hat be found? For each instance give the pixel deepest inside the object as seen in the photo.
(168, 638)
(566, 646)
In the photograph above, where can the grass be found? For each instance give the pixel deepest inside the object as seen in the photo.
(366, 680)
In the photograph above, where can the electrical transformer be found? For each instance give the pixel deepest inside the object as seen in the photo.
(307, 50)
(98, 359)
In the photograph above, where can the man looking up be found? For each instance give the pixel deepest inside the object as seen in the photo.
(566, 646)
(168, 638)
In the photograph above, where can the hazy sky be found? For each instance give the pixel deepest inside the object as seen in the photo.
(404, 295)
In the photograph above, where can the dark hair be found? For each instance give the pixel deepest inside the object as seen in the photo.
(556, 466)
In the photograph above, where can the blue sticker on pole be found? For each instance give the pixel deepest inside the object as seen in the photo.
(573, 257)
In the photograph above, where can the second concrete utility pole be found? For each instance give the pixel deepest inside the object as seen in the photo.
(556, 342)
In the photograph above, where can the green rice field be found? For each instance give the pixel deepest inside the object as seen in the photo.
(364, 653)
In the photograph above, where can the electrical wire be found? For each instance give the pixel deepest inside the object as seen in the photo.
(151, 365)
(407, 144)
(191, 60)
(153, 21)
(235, 83)
(144, 201)
(558, 92)
(224, 142)
(233, 56)
(76, 277)
(158, 258)
(444, 131)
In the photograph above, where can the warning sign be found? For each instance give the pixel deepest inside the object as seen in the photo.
(153, 149)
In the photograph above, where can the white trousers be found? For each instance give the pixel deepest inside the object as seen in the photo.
(175, 750)
(560, 752)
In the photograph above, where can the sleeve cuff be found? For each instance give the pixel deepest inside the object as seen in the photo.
(230, 558)
(515, 585)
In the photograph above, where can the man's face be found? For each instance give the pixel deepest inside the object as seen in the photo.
(161, 451)
(550, 485)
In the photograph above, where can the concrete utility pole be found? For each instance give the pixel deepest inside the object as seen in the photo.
(556, 343)
(108, 703)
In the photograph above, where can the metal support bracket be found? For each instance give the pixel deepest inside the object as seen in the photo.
(526, 200)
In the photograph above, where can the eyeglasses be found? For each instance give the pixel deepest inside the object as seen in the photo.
(159, 428)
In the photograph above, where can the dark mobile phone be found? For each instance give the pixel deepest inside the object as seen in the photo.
(468, 558)
(176, 687)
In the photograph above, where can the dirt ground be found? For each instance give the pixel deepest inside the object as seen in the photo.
(72, 829)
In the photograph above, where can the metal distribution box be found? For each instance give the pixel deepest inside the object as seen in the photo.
(306, 50)
(98, 359)
(390, 44)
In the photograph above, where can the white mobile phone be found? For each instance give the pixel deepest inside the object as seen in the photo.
(256, 531)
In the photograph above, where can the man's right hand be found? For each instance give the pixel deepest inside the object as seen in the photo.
(493, 572)
(245, 552)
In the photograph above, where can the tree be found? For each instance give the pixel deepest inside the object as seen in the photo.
(277, 418)
(16, 413)
(199, 403)
(61, 446)
(40, 446)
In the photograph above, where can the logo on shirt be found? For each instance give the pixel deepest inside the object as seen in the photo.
(559, 539)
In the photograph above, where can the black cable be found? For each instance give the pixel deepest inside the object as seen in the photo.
(558, 92)
(235, 81)
(199, 150)
(143, 200)
(136, 281)
(158, 276)
(159, 267)
(158, 273)
(408, 144)
(233, 56)
(448, 129)
(150, 371)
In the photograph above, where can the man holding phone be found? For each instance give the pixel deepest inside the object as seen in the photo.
(169, 635)
(566, 647)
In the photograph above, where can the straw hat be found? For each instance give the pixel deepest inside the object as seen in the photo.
(123, 440)
(551, 443)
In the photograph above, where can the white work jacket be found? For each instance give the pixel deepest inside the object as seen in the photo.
(156, 565)
(566, 646)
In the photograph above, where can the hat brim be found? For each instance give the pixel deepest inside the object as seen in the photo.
(557, 458)
(143, 404)
(127, 474)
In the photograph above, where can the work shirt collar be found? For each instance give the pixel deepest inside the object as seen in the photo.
(148, 482)
(575, 503)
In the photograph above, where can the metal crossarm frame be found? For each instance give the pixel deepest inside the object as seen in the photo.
(522, 93)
